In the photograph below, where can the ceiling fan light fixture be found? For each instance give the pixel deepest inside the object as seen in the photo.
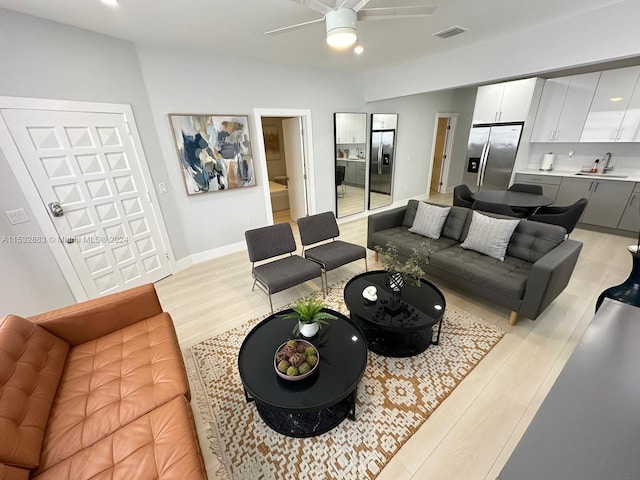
(341, 28)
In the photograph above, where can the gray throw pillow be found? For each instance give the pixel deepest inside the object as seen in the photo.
(429, 220)
(489, 235)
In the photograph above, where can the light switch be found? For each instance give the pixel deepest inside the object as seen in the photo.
(17, 216)
(163, 187)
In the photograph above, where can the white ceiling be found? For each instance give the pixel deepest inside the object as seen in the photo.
(236, 27)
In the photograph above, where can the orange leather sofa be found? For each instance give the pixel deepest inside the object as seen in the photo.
(97, 390)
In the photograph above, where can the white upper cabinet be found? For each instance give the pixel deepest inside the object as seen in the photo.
(563, 108)
(630, 129)
(612, 98)
(504, 102)
(351, 128)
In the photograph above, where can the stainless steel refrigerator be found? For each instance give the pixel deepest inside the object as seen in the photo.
(490, 156)
(381, 166)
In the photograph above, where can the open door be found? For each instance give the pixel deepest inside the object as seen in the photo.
(295, 161)
(441, 151)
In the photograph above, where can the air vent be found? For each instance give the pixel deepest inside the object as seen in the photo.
(450, 32)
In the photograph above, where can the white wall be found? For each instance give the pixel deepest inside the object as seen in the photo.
(606, 34)
(43, 59)
(180, 81)
(416, 125)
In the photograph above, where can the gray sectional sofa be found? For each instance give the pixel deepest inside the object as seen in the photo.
(537, 267)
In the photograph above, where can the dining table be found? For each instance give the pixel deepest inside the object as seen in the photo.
(513, 198)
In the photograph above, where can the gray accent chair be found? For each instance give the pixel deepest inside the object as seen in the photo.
(278, 274)
(333, 253)
(566, 217)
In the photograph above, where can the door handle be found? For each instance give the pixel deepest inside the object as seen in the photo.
(595, 189)
(56, 209)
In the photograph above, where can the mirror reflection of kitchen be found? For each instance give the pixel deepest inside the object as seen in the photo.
(351, 162)
(381, 159)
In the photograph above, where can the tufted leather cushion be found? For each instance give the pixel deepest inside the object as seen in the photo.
(160, 445)
(533, 240)
(13, 473)
(509, 277)
(31, 364)
(110, 382)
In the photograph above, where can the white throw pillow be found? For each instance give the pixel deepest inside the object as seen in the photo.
(429, 220)
(489, 235)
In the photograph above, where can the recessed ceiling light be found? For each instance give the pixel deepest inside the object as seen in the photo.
(111, 3)
(615, 99)
(358, 49)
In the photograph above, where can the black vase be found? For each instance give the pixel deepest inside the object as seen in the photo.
(629, 290)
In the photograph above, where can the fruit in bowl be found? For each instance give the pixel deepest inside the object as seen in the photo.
(296, 359)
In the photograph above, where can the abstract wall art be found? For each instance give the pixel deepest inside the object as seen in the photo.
(214, 151)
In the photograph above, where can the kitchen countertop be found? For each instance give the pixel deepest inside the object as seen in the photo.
(633, 175)
(361, 160)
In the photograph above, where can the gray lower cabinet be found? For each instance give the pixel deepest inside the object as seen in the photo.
(549, 184)
(607, 199)
(631, 217)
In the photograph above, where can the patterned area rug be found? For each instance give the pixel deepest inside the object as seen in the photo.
(395, 397)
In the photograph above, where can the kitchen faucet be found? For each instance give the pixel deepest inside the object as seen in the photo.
(606, 159)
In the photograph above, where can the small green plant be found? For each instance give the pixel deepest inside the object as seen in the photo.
(308, 310)
(411, 268)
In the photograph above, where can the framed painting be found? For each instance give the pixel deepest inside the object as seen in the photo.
(214, 151)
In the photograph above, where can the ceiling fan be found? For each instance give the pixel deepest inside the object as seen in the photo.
(340, 17)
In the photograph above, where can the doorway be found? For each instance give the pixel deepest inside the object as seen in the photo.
(441, 152)
(286, 148)
(84, 174)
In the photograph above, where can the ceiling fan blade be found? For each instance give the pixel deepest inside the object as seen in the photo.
(316, 5)
(291, 28)
(355, 5)
(388, 13)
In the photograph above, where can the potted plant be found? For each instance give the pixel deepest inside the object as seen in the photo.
(399, 271)
(411, 269)
(309, 315)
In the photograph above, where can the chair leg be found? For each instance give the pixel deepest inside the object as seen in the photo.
(366, 267)
(377, 257)
(270, 303)
(254, 284)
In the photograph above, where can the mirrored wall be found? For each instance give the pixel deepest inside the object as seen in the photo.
(384, 128)
(351, 162)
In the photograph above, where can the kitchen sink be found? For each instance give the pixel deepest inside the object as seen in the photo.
(603, 175)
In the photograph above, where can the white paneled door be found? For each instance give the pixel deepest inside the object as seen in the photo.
(88, 175)
(295, 161)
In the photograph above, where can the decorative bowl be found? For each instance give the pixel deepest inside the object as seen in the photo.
(284, 353)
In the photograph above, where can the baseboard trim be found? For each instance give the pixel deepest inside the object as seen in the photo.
(200, 257)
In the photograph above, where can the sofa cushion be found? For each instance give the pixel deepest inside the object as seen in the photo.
(429, 220)
(162, 444)
(31, 365)
(508, 277)
(532, 240)
(110, 382)
(405, 241)
(489, 235)
(13, 473)
(453, 226)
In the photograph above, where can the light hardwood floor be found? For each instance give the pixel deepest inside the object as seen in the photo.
(471, 435)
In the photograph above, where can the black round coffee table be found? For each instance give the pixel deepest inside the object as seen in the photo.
(316, 404)
(400, 333)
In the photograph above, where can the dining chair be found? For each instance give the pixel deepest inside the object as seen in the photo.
(332, 253)
(499, 208)
(525, 187)
(278, 274)
(462, 196)
(567, 216)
